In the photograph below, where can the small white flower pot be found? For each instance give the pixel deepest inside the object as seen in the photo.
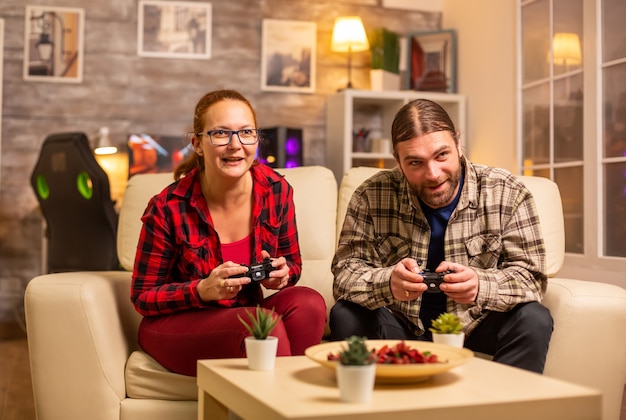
(356, 383)
(454, 340)
(384, 80)
(261, 353)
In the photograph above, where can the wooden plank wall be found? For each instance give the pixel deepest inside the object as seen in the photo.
(128, 93)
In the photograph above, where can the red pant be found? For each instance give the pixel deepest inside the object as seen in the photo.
(179, 340)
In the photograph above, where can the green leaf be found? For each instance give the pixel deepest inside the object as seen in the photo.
(261, 324)
(385, 50)
(447, 323)
(356, 353)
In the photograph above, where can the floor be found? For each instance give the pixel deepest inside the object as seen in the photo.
(16, 396)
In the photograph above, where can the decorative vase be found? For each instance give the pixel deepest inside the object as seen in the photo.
(385, 59)
(454, 340)
(261, 354)
(356, 382)
(384, 80)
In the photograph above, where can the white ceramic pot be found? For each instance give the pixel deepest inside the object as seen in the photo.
(261, 353)
(384, 80)
(454, 340)
(356, 383)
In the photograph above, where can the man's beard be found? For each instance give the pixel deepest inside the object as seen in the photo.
(440, 198)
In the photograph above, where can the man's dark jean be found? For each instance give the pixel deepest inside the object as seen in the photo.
(519, 337)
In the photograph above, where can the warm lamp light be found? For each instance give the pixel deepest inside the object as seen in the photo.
(566, 49)
(349, 36)
(104, 145)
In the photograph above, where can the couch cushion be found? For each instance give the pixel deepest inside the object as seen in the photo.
(139, 191)
(146, 378)
(315, 199)
(550, 209)
(351, 180)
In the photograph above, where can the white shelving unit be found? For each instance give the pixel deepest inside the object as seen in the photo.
(351, 110)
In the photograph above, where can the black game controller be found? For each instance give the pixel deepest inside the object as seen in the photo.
(434, 280)
(257, 272)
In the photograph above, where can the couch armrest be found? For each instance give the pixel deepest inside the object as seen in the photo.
(80, 334)
(588, 345)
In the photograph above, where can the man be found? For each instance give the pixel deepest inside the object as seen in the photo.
(437, 211)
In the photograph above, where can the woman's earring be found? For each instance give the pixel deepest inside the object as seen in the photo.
(199, 151)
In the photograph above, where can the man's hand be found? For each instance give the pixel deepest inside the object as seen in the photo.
(406, 283)
(462, 285)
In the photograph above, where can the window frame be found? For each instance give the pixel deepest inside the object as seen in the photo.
(591, 263)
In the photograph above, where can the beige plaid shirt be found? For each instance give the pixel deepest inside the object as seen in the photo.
(494, 229)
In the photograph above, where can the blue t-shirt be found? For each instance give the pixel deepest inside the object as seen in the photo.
(433, 304)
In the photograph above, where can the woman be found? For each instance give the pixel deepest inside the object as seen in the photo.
(224, 210)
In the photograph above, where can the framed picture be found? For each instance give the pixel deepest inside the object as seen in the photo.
(288, 56)
(174, 29)
(432, 61)
(53, 44)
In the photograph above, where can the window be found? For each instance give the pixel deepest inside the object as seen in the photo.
(552, 104)
(613, 116)
(573, 115)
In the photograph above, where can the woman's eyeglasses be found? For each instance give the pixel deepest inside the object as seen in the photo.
(247, 136)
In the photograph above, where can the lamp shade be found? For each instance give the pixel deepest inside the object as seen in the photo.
(104, 145)
(349, 35)
(566, 48)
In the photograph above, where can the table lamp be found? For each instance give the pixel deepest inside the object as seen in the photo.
(104, 146)
(566, 52)
(349, 36)
(566, 49)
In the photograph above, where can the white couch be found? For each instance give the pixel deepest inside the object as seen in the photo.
(82, 327)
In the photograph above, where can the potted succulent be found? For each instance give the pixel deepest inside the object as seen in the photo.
(356, 371)
(447, 328)
(260, 346)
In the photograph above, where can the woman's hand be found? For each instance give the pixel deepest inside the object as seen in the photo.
(279, 277)
(219, 285)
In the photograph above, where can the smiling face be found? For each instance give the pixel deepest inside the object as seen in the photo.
(233, 159)
(432, 166)
(427, 149)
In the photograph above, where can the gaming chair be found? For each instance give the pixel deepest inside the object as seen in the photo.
(73, 192)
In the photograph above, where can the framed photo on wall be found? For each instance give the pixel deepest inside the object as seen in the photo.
(288, 56)
(432, 61)
(174, 29)
(53, 44)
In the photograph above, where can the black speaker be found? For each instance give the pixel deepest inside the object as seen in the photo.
(281, 147)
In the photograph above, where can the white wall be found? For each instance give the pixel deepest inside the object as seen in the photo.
(486, 67)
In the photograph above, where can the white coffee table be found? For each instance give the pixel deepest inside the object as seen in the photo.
(299, 388)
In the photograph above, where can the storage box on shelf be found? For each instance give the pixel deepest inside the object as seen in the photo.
(351, 110)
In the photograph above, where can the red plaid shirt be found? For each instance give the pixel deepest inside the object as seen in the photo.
(179, 246)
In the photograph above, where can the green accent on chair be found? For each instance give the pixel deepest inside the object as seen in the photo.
(43, 190)
(84, 185)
